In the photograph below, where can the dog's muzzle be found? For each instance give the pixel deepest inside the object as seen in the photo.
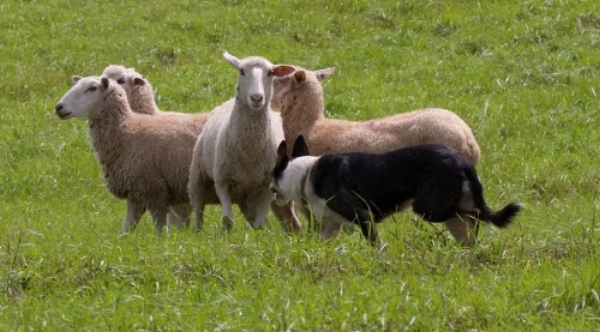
(279, 199)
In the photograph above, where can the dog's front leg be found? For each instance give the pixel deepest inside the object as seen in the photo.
(370, 232)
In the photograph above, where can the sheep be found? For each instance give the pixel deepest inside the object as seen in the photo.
(302, 112)
(141, 97)
(236, 151)
(143, 157)
(139, 91)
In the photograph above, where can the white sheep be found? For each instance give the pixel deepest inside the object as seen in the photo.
(236, 151)
(141, 98)
(144, 158)
(302, 112)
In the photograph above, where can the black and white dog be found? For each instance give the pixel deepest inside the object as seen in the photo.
(363, 188)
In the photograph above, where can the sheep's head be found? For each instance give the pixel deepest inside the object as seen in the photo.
(127, 78)
(255, 80)
(281, 85)
(83, 97)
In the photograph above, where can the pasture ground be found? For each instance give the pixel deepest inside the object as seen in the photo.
(523, 75)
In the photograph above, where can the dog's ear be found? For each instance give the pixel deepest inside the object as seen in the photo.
(300, 148)
(282, 160)
(281, 151)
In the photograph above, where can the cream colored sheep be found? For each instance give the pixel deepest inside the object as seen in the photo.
(140, 95)
(144, 158)
(302, 111)
(236, 151)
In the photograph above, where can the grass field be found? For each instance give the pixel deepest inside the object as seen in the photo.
(522, 74)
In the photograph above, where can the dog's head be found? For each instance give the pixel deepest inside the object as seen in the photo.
(287, 174)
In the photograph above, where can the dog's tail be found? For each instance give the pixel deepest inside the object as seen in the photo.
(501, 218)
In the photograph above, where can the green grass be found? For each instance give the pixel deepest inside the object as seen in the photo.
(523, 75)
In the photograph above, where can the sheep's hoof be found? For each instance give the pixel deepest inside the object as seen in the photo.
(227, 222)
(259, 224)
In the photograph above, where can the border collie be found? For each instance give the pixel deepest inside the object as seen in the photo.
(364, 188)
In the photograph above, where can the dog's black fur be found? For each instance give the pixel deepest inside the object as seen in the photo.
(363, 187)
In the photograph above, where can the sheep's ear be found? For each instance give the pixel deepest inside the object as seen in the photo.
(282, 70)
(324, 73)
(75, 79)
(232, 60)
(138, 81)
(300, 148)
(300, 76)
(104, 81)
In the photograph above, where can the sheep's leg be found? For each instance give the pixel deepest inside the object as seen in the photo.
(226, 209)
(198, 201)
(463, 230)
(160, 219)
(179, 217)
(287, 216)
(132, 217)
(196, 191)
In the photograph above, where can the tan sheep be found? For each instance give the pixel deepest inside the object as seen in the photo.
(140, 95)
(302, 111)
(144, 158)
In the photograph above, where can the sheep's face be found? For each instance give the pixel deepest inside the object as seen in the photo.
(127, 78)
(79, 101)
(282, 85)
(255, 80)
(119, 74)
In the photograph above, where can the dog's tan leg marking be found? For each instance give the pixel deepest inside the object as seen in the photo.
(287, 217)
(330, 227)
(463, 230)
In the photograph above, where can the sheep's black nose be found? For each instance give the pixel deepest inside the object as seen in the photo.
(59, 107)
(257, 98)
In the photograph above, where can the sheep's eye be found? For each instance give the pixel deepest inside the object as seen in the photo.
(121, 81)
(270, 73)
(242, 72)
(91, 88)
